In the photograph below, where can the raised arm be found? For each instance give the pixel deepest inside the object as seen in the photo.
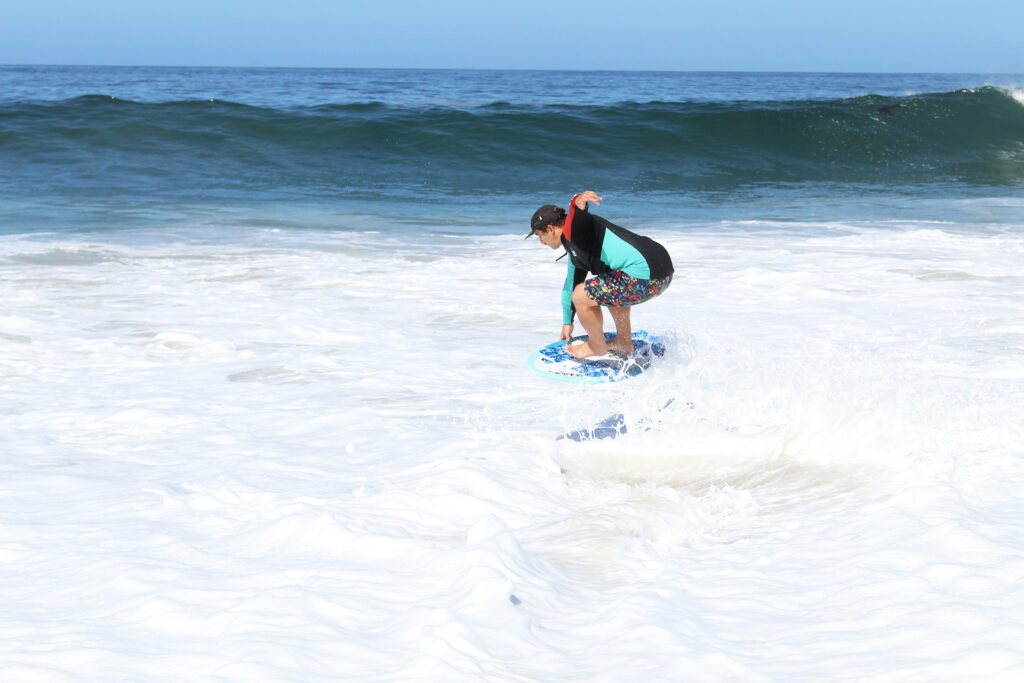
(583, 197)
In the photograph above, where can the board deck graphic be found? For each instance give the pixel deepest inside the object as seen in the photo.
(555, 362)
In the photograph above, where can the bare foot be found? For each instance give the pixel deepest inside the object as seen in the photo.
(625, 346)
(585, 350)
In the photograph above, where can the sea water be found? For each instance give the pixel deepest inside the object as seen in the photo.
(265, 413)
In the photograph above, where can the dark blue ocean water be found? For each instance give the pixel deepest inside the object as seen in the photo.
(84, 148)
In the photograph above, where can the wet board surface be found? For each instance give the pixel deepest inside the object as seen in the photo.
(554, 361)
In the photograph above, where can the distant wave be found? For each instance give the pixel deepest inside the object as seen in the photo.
(101, 144)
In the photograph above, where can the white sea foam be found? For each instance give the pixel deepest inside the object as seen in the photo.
(280, 455)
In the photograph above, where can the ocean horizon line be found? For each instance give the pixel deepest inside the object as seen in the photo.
(436, 69)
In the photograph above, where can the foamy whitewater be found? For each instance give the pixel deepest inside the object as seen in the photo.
(313, 456)
(265, 414)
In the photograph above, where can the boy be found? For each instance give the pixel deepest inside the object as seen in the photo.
(628, 269)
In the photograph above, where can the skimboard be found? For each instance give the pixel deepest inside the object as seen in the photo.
(555, 362)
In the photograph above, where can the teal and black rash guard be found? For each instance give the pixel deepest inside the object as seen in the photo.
(598, 246)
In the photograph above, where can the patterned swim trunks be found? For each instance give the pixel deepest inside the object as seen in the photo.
(618, 289)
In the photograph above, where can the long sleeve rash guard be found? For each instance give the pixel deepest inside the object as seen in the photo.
(598, 246)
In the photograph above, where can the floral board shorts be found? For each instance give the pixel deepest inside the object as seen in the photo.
(618, 289)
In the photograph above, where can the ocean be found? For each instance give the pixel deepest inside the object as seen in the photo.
(265, 413)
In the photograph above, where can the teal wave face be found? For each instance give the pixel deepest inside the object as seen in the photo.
(105, 146)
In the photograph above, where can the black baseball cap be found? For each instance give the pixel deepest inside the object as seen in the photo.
(545, 215)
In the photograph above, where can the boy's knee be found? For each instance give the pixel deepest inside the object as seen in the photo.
(580, 298)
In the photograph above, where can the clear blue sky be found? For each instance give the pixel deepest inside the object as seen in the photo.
(979, 36)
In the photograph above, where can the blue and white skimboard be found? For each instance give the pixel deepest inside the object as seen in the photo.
(555, 362)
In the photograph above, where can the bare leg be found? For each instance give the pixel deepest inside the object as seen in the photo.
(589, 313)
(623, 331)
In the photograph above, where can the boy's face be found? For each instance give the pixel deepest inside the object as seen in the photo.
(550, 235)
